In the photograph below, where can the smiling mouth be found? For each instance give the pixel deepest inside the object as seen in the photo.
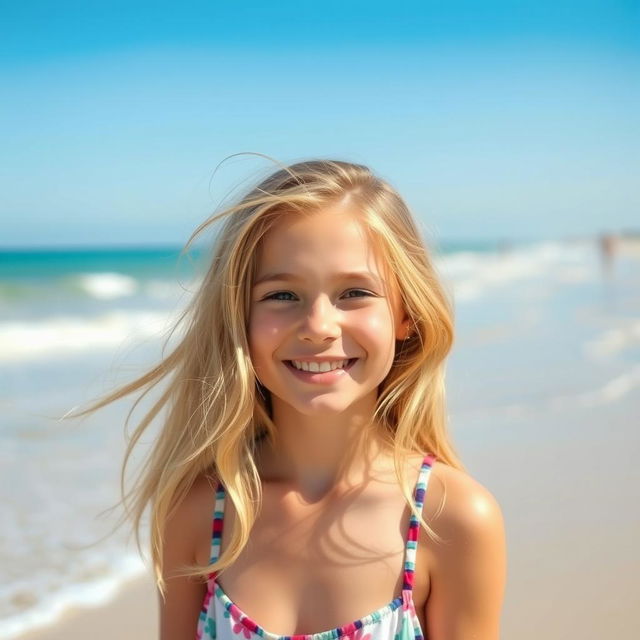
(349, 364)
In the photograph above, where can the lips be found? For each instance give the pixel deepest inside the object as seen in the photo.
(350, 363)
(307, 365)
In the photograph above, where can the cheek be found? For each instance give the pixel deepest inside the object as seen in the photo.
(264, 332)
(376, 325)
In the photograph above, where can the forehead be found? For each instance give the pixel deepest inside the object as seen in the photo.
(327, 240)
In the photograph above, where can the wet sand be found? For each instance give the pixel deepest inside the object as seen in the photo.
(133, 613)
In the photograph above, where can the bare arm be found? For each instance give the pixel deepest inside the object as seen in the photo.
(468, 581)
(186, 541)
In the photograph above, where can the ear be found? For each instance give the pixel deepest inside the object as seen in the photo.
(403, 329)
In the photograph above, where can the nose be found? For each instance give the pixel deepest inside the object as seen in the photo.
(320, 322)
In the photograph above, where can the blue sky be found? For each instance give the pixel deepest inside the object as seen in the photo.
(493, 120)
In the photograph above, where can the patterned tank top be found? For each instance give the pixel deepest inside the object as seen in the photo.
(222, 619)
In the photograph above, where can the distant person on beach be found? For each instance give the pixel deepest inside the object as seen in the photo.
(608, 247)
(304, 483)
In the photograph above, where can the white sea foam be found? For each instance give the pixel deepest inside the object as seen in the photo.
(614, 341)
(614, 389)
(107, 286)
(607, 393)
(98, 287)
(44, 601)
(474, 274)
(41, 339)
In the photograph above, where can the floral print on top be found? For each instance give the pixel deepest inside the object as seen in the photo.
(221, 619)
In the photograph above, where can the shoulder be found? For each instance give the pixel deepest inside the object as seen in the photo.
(455, 504)
(185, 542)
(469, 564)
(464, 506)
(189, 522)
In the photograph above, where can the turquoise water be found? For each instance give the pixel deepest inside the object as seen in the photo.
(58, 263)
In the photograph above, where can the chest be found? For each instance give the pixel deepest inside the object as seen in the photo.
(309, 568)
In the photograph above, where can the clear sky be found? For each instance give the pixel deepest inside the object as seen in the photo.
(493, 119)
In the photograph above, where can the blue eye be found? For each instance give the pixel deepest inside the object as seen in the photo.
(272, 296)
(366, 293)
(278, 293)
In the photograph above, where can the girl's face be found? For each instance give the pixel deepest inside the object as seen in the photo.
(319, 295)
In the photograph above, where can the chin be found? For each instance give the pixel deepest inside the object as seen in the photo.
(315, 408)
(328, 405)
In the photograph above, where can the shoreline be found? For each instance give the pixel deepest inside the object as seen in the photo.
(131, 613)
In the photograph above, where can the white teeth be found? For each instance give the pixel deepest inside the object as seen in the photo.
(319, 366)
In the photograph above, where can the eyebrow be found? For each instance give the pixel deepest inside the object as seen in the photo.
(291, 277)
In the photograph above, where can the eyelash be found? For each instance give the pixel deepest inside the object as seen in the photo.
(271, 296)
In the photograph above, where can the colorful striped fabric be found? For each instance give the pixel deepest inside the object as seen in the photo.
(220, 618)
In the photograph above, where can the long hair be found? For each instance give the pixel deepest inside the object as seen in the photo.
(214, 407)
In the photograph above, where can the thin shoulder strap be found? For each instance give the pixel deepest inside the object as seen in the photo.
(414, 523)
(218, 517)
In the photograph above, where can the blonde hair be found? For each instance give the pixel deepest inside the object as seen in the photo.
(216, 407)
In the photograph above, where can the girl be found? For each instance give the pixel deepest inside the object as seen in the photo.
(306, 421)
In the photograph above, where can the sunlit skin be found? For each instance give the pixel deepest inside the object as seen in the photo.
(319, 312)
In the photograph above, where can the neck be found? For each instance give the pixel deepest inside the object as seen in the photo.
(319, 454)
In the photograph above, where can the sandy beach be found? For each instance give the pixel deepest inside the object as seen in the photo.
(544, 398)
(133, 613)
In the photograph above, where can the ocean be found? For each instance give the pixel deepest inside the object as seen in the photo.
(540, 327)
